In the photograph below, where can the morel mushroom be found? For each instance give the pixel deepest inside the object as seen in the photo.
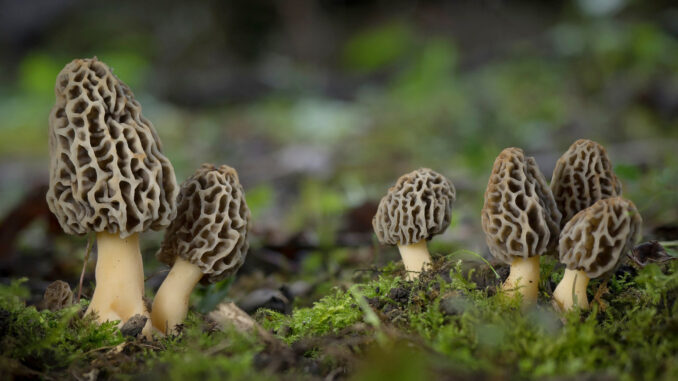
(520, 220)
(418, 207)
(592, 244)
(207, 240)
(58, 295)
(107, 175)
(583, 175)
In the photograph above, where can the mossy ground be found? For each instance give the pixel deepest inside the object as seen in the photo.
(451, 323)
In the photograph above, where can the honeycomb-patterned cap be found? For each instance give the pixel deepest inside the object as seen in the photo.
(520, 218)
(596, 238)
(212, 223)
(107, 170)
(583, 175)
(418, 207)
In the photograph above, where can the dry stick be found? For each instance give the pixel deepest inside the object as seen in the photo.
(84, 265)
(156, 273)
(602, 290)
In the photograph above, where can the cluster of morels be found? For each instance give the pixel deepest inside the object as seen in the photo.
(108, 175)
(581, 215)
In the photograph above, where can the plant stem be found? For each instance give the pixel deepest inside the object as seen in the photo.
(88, 251)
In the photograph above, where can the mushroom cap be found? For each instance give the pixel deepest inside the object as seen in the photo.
(107, 170)
(58, 295)
(583, 175)
(212, 223)
(417, 207)
(520, 218)
(595, 239)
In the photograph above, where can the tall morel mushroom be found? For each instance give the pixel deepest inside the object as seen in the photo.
(592, 244)
(418, 207)
(520, 220)
(583, 175)
(207, 240)
(107, 175)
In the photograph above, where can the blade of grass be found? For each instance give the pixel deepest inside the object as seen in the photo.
(464, 251)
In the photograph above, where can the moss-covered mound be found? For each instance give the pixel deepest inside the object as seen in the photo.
(451, 323)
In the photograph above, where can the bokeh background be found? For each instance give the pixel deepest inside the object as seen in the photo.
(321, 105)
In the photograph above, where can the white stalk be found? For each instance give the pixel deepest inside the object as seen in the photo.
(170, 305)
(524, 279)
(571, 291)
(415, 258)
(119, 279)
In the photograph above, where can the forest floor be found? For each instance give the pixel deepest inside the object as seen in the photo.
(451, 323)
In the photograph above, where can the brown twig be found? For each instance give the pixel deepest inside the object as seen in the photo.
(156, 273)
(84, 266)
(602, 290)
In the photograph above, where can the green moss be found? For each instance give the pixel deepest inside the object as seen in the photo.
(198, 355)
(450, 320)
(46, 340)
(330, 314)
(633, 337)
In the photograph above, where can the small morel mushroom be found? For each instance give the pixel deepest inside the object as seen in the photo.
(418, 207)
(58, 295)
(520, 220)
(583, 175)
(107, 175)
(592, 244)
(206, 241)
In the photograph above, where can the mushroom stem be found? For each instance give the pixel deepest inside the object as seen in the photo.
(170, 305)
(571, 291)
(415, 257)
(119, 279)
(524, 279)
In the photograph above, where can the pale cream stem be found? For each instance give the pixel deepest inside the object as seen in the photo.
(415, 258)
(524, 279)
(119, 279)
(170, 305)
(571, 291)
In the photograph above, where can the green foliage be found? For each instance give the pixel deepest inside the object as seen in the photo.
(320, 206)
(13, 294)
(38, 73)
(45, 339)
(656, 286)
(446, 321)
(633, 337)
(130, 67)
(259, 199)
(330, 314)
(377, 47)
(197, 355)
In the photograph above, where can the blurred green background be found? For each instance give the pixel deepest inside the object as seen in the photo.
(321, 105)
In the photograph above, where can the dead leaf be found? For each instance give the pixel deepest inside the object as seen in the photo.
(649, 252)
